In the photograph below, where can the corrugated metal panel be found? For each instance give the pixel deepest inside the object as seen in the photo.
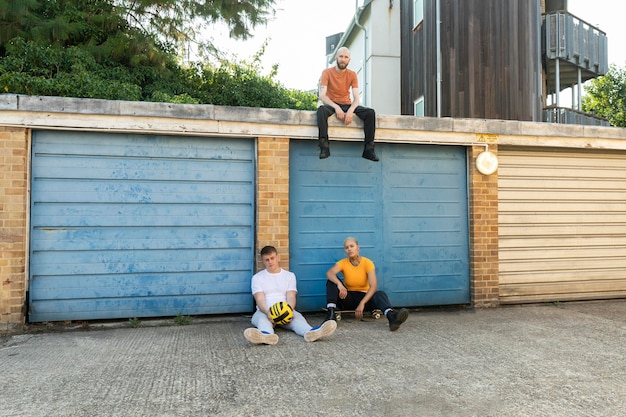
(409, 212)
(562, 224)
(140, 226)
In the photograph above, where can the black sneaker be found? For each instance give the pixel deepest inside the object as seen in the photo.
(396, 318)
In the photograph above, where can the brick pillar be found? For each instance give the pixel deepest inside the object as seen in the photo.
(13, 234)
(272, 222)
(483, 223)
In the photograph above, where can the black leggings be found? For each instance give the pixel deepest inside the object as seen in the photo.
(352, 300)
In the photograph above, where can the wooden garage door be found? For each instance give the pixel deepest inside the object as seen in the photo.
(140, 226)
(562, 224)
(408, 211)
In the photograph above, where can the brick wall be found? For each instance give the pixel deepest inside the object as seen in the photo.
(13, 215)
(272, 222)
(483, 224)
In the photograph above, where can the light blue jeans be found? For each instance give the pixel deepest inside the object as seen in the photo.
(298, 325)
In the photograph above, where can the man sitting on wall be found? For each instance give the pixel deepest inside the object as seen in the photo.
(334, 92)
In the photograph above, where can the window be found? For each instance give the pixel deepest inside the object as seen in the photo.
(418, 107)
(418, 12)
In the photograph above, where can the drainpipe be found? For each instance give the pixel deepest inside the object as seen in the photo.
(357, 15)
(438, 24)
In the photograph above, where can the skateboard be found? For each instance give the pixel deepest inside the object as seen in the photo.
(375, 314)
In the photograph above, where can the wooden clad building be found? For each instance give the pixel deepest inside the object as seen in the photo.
(487, 56)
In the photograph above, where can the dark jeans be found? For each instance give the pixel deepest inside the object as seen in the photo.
(364, 113)
(379, 300)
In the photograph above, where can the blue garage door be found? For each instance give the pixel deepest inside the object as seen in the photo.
(140, 226)
(408, 211)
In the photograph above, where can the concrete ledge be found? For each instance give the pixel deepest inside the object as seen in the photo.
(8, 102)
(40, 112)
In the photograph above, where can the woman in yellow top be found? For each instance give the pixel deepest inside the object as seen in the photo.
(359, 289)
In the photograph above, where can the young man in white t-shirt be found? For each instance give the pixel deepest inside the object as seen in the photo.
(270, 286)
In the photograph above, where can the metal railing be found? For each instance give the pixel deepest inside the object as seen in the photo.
(564, 115)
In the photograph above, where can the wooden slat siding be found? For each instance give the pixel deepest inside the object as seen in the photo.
(139, 226)
(490, 57)
(562, 224)
(414, 62)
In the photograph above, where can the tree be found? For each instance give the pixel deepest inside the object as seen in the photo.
(173, 22)
(111, 49)
(180, 22)
(606, 96)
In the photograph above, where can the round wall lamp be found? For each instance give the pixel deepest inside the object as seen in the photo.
(486, 163)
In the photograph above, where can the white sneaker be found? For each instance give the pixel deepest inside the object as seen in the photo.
(326, 329)
(254, 335)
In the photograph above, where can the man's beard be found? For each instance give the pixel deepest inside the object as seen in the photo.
(342, 66)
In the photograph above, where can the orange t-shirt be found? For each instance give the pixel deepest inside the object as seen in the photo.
(355, 277)
(338, 84)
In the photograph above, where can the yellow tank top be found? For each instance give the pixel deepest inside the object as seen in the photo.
(355, 277)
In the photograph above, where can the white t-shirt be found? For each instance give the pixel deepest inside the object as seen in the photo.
(274, 286)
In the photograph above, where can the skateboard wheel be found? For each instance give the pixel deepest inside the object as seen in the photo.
(376, 315)
(337, 316)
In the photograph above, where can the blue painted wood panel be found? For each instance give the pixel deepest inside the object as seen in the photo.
(409, 212)
(140, 226)
(425, 225)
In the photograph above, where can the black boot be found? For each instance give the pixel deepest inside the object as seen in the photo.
(324, 148)
(368, 152)
(331, 314)
(396, 318)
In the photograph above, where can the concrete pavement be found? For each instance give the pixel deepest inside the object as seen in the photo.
(566, 359)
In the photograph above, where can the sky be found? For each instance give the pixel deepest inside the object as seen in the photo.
(297, 35)
(297, 39)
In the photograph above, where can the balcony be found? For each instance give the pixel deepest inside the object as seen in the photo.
(574, 50)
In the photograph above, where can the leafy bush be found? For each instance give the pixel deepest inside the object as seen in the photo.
(33, 68)
(89, 49)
